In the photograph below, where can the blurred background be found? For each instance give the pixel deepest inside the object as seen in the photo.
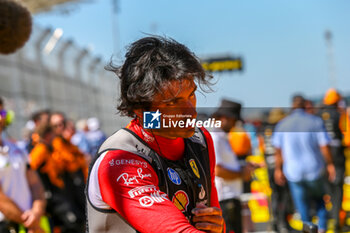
(282, 47)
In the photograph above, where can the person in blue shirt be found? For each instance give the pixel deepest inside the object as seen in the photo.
(303, 159)
(22, 197)
(95, 136)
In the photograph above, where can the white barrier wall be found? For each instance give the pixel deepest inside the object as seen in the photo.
(67, 79)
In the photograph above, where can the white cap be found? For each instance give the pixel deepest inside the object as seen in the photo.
(93, 123)
(30, 125)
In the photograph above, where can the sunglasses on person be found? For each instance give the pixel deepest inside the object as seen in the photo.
(3, 113)
(59, 124)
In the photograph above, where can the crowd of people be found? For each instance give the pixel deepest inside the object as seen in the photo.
(177, 179)
(44, 175)
(304, 150)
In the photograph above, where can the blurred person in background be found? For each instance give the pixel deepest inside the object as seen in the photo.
(303, 158)
(331, 114)
(94, 135)
(250, 130)
(345, 126)
(280, 197)
(82, 126)
(26, 134)
(22, 201)
(43, 160)
(240, 142)
(40, 119)
(238, 137)
(78, 138)
(73, 161)
(229, 173)
(309, 107)
(61, 207)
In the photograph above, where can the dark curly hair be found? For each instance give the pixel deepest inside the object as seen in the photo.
(15, 26)
(150, 64)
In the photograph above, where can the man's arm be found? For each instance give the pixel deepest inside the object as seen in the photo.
(226, 173)
(129, 185)
(31, 217)
(277, 139)
(226, 165)
(323, 142)
(280, 179)
(326, 154)
(9, 208)
(329, 162)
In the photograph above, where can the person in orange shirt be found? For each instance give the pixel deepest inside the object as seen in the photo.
(42, 161)
(73, 161)
(240, 143)
(65, 152)
(332, 113)
(230, 173)
(61, 208)
(345, 127)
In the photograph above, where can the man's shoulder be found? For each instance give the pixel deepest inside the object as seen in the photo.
(285, 124)
(122, 157)
(315, 120)
(123, 148)
(314, 117)
(217, 134)
(119, 170)
(118, 161)
(126, 140)
(303, 122)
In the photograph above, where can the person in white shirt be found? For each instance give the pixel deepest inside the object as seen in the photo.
(22, 199)
(229, 173)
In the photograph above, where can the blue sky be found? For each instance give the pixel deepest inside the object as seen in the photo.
(282, 42)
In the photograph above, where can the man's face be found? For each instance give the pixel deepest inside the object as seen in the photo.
(69, 130)
(44, 119)
(58, 124)
(227, 123)
(178, 98)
